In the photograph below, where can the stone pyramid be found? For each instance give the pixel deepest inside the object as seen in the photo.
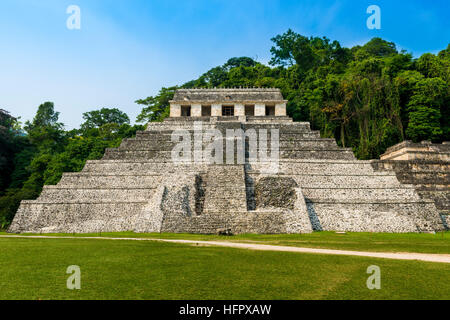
(317, 186)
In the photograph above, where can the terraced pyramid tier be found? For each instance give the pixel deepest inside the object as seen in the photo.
(424, 165)
(316, 186)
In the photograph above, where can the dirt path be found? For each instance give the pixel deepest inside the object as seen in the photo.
(443, 258)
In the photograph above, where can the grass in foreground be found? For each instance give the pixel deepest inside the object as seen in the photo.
(36, 269)
(379, 242)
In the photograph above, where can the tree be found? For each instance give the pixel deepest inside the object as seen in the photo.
(43, 160)
(98, 118)
(283, 50)
(11, 143)
(45, 117)
(156, 108)
(45, 131)
(213, 78)
(45, 137)
(380, 48)
(425, 110)
(430, 65)
(238, 62)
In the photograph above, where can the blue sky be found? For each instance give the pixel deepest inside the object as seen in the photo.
(129, 49)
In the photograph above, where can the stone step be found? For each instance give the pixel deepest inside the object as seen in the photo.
(326, 167)
(283, 128)
(267, 222)
(167, 135)
(361, 194)
(143, 145)
(191, 130)
(228, 182)
(225, 188)
(45, 217)
(120, 167)
(287, 166)
(428, 177)
(204, 119)
(308, 144)
(194, 126)
(440, 198)
(284, 145)
(332, 181)
(110, 179)
(223, 119)
(312, 143)
(412, 166)
(285, 139)
(225, 205)
(292, 125)
(271, 119)
(374, 217)
(116, 154)
(338, 154)
(432, 187)
(163, 126)
(229, 195)
(56, 194)
(293, 136)
(223, 181)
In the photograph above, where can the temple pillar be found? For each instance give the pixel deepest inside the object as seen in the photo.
(239, 110)
(280, 110)
(216, 110)
(260, 110)
(175, 110)
(196, 110)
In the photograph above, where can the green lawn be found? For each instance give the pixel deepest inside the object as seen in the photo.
(381, 242)
(36, 269)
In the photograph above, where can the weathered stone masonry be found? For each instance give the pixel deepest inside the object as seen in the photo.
(424, 165)
(319, 186)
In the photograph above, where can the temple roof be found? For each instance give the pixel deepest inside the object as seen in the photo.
(228, 95)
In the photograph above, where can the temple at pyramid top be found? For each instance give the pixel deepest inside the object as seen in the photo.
(228, 102)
